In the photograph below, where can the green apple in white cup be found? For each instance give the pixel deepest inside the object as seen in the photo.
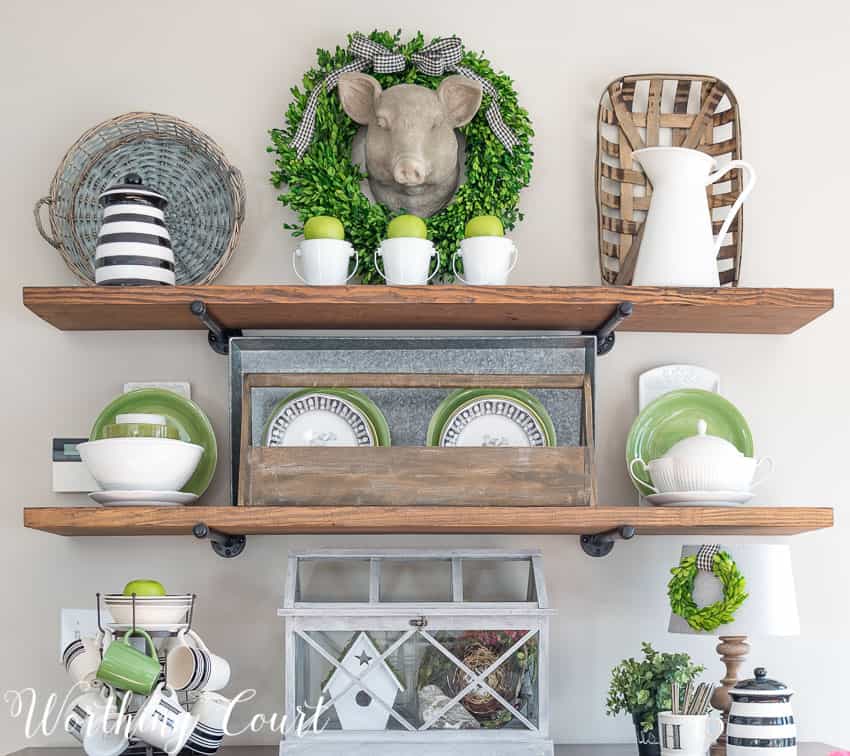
(323, 227)
(484, 225)
(407, 227)
(144, 588)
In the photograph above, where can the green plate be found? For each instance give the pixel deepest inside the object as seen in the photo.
(188, 418)
(674, 416)
(374, 416)
(457, 398)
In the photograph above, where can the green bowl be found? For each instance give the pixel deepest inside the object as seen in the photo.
(139, 430)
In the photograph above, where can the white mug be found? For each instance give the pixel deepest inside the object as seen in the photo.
(162, 722)
(406, 261)
(487, 260)
(94, 721)
(687, 734)
(82, 657)
(325, 262)
(211, 711)
(191, 666)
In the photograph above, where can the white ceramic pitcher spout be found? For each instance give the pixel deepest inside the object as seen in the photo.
(678, 246)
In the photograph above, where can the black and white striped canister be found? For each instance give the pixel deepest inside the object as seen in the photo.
(761, 722)
(133, 246)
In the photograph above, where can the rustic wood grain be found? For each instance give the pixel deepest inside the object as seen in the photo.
(459, 478)
(682, 310)
(127, 521)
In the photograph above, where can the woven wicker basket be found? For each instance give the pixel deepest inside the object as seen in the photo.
(206, 193)
(667, 109)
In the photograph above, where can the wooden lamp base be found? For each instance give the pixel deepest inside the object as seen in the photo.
(733, 649)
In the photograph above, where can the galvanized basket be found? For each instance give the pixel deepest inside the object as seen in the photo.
(206, 193)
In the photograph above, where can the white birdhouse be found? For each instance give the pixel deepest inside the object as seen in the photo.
(354, 687)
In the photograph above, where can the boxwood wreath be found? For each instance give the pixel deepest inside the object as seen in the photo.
(680, 590)
(325, 181)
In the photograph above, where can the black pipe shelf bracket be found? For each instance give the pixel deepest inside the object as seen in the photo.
(223, 544)
(601, 544)
(605, 336)
(218, 336)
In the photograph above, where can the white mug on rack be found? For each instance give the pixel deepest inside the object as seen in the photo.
(81, 658)
(162, 722)
(211, 711)
(487, 260)
(191, 666)
(93, 719)
(325, 262)
(406, 261)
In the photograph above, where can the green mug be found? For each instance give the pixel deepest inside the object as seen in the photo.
(126, 668)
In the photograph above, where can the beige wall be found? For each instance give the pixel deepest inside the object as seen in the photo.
(227, 67)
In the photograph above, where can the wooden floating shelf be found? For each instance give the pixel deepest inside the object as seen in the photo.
(582, 308)
(125, 521)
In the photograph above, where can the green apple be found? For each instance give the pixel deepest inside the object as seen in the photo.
(484, 225)
(144, 588)
(323, 227)
(407, 226)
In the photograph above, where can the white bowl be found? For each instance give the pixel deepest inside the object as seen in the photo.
(141, 464)
(150, 610)
(678, 474)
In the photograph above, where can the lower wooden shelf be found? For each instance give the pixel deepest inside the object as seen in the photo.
(127, 521)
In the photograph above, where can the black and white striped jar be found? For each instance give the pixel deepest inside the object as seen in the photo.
(761, 722)
(133, 246)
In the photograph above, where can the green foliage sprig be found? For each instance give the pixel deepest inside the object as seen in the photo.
(325, 181)
(680, 590)
(642, 688)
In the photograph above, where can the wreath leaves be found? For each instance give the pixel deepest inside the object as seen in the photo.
(680, 590)
(326, 182)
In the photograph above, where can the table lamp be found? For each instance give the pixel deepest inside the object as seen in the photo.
(769, 610)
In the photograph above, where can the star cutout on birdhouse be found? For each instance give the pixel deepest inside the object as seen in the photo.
(363, 658)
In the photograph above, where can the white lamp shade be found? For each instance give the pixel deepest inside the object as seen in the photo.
(771, 605)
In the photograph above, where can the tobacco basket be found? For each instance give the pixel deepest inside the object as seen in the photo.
(647, 110)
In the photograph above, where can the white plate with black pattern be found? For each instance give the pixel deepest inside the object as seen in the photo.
(318, 418)
(493, 421)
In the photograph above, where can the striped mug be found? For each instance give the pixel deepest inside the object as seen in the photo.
(191, 665)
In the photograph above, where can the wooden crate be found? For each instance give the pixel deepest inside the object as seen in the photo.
(409, 475)
(645, 111)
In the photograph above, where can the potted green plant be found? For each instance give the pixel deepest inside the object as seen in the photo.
(642, 689)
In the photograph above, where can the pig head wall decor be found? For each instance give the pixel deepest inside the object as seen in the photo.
(413, 155)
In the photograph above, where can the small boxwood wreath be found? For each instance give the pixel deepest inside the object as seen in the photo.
(681, 589)
(326, 182)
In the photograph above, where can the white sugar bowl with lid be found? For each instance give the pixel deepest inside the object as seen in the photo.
(761, 722)
(703, 463)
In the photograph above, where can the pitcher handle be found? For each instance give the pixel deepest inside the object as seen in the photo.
(759, 479)
(515, 255)
(714, 731)
(436, 254)
(458, 276)
(377, 267)
(356, 266)
(297, 253)
(636, 479)
(752, 177)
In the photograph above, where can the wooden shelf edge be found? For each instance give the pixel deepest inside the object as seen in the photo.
(126, 521)
(656, 309)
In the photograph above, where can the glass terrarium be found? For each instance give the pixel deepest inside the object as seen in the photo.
(394, 648)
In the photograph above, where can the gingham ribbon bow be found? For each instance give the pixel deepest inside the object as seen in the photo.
(705, 557)
(436, 59)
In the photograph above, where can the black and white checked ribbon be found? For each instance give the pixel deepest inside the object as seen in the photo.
(705, 557)
(436, 59)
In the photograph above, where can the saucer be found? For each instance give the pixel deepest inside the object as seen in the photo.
(700, 498)
(142, 498)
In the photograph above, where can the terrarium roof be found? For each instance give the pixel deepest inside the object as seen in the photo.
(366, 584)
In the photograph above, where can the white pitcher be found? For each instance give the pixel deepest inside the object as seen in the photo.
(678, 246)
